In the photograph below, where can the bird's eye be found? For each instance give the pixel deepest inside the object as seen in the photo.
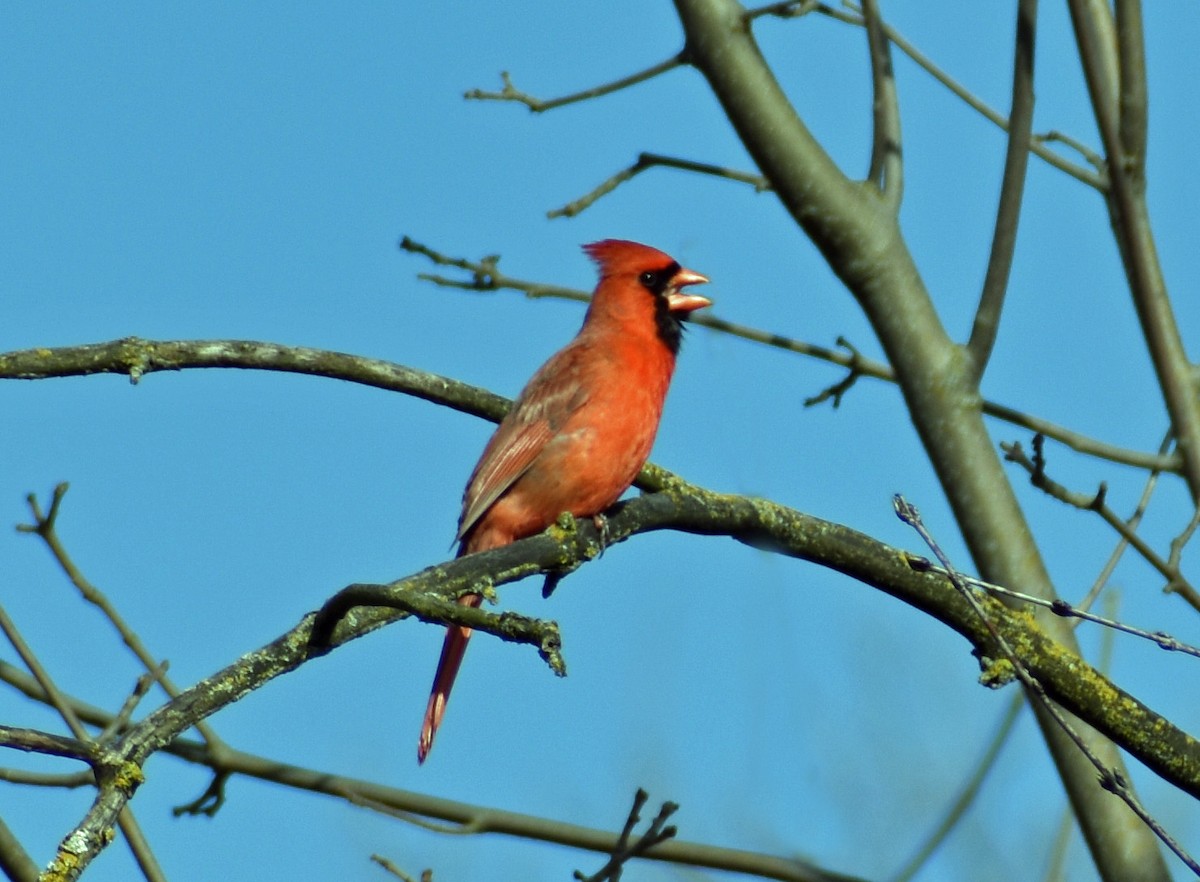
(649, 279)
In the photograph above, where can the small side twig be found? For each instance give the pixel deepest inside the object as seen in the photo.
(210, 801)
(844, 385)
(654, 160)
(656, 833)
(538, 105)
(1132, 523)
(388, 866)
(509, 626)
(45, 526)
(140, 688)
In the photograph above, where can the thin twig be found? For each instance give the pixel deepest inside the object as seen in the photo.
(538, 105)
(389, 867)
(1066, 610)
(655, 834)
(1176, 582)
(652, 160)
(44, 525)
(1110, 779)
(887, 159)
(1096, 178)
(485, 275)
(1132, 523)
(136, 841)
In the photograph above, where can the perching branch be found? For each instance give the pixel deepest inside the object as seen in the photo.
(1066, 678)
(679, 506)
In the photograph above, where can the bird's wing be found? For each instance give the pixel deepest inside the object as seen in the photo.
(553, 394)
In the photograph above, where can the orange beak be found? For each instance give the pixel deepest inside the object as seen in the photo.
(677, 302)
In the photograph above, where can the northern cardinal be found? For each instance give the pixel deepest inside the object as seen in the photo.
(583, 426)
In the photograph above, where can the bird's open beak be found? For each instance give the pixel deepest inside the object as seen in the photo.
(679, 302)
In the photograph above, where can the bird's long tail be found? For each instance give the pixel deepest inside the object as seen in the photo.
(443, 681)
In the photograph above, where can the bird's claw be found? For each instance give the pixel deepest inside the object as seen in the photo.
(601, 524)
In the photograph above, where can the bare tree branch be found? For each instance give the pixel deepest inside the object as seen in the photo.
(625, 851)
(538, 105)
(654, 160)
(1012, 189)
(15, 862)
(463, 817)
(1118, 120)
(44, 526)
(887, 157)
(1176, 581)
(485, 275)
(1093, 178)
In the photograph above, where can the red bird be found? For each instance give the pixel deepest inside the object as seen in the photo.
(582, 428)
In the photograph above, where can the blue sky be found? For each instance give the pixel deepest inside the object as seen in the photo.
(245, 171)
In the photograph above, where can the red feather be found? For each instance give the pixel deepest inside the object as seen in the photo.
(583, 426)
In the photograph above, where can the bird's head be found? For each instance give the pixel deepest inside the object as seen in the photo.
(641, 276)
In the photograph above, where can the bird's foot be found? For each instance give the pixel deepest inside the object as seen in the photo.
(601, 524)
